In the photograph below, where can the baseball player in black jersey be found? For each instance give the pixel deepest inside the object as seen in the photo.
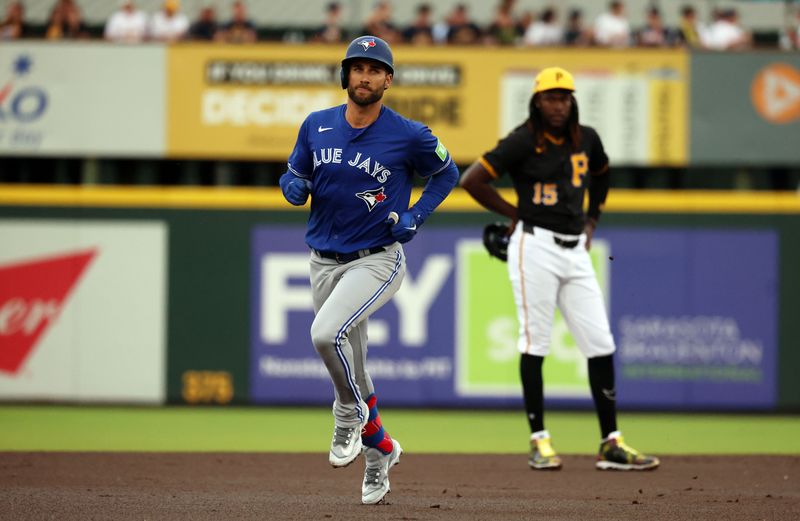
(552, 160)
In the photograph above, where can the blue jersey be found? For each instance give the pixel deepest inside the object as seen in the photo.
(359, 175)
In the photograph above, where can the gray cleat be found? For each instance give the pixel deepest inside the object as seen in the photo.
(376, 475)
(345, 445)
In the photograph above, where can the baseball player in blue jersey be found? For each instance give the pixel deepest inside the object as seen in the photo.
(357, 162)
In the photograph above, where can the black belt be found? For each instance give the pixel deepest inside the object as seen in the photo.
(528, 228)
(344, 258)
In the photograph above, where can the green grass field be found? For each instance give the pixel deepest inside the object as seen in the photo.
(258, 429)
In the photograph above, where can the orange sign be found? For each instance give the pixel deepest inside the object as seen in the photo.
(776, 93)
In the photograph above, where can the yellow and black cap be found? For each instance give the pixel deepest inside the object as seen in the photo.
(553, 78)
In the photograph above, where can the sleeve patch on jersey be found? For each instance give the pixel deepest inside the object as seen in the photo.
(440, 150)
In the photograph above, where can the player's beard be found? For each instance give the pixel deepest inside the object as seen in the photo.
(364, 100)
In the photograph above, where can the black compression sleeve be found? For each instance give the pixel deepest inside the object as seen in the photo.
(598, 190)
(530, 369)
(601, 381)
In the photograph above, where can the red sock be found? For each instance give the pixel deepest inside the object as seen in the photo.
(374, 434)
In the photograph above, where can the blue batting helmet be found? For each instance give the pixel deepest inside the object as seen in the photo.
(370, 48)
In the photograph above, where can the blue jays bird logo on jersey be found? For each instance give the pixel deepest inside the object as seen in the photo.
(372, 197)
(366, 44)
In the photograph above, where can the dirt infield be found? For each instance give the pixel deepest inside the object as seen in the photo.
(122, 486)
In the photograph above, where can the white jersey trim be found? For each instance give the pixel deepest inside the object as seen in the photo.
(295, 172)
(449, 160)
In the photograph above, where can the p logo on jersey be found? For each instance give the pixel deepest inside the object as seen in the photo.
(366, 44)
(372, 197)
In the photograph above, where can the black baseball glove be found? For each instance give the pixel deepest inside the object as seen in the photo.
(495, 239)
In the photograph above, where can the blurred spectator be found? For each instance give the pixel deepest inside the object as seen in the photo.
(545, 31)
(789, 36)
(691, 32)
(169, 24)
(575, 33)
(612, 29)
(524, 21)
(457, 28)
(793, 32)
(240, 29)
(504, 28)
(420, 32)
(127, 25)
(379, 23)
(654, 34)
(66, 22)
(331, 31)
(13, 27)
(205, 28)
(726, 34)
(440, 28)
(714, 16)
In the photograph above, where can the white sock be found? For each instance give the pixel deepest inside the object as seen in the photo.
(540, 435)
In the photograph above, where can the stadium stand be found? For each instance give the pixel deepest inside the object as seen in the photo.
(297, 21)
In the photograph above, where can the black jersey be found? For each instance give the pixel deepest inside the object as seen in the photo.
(550, 181)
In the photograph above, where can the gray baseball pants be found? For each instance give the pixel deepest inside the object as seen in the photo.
(345, 295)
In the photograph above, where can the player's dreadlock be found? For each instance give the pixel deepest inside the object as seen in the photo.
(537, 125)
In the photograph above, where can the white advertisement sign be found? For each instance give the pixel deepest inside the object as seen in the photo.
(617, 106)
(82, 98)
(82, 311)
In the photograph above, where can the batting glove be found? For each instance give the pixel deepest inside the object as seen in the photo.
(406, 227)
(295, 189)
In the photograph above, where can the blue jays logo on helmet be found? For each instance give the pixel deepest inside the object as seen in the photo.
(370, 48)
(372, 197)
(366, 44)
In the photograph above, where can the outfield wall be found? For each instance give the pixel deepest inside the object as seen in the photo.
(653, 107)
(201, 296)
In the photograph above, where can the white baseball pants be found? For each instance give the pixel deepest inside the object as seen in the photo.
(545, 275)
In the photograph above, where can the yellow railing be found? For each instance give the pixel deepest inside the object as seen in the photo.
(628, 201)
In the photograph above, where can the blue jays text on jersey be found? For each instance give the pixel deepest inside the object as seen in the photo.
(360, 175)
(334, 155)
